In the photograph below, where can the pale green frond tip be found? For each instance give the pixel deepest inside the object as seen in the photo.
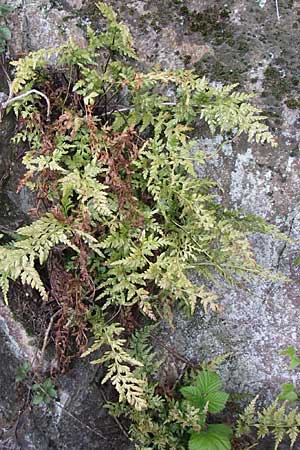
(121, 365)
(34, 244)
(277, 420)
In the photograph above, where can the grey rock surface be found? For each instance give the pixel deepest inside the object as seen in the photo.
(237, 41)
(75, 420)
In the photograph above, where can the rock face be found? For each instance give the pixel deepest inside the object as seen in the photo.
(243, 42)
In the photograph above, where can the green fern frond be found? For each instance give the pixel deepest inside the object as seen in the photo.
(17, 259)
(276, 420)
(26, 68)
(118, 37)
(121, 364)
(90, 193)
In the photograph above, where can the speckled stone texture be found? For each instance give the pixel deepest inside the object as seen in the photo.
(237, 41)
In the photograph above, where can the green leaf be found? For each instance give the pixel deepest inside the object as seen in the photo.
(47, 383)
(5, 9)
(206, 391)
(208, 382)
(20, 378)
(191, 393)
(5, 33)
(290, 351)
(216, 401)
(22, 372)
(49, 388)
(294, 359)
(38, 399)
(216, 437)
(288, 393)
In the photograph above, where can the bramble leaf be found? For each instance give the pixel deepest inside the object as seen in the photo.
(294, 358)
(288, 393)
(216, 437)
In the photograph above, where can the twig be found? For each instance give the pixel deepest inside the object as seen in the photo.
(114, 316)
(19, 97)
(45, 341)
(277, 10)
(220, 147)
(85, 425)
(115, 418)
(5, 177)
(21, 422)
(9, 83)
(78, 420)
(174, 353)
(108, 113)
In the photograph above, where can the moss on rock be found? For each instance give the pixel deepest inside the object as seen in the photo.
(293, 103)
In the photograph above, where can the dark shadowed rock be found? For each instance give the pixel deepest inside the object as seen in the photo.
(76, 420)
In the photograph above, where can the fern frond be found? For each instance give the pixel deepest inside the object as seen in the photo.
(277, 420)
(90, 193)
(118, 37)
(27, 68)
(120, 364)
(35, 241)
(140, 347)
(4, 285)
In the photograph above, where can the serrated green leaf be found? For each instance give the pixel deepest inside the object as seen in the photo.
(22, 372)
(206, 392)
(38, 399)
(216, 437)
(19, 378)
(5, 33)
(216, 401)
(52, 392)
(208, 382)
(294, 358)
(295, 362)
(290, 351)
(288, 393)
(190, 393)
(5, 9)
(47, 383)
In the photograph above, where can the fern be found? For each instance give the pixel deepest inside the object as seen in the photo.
(26, 69)
(140, 347)
(277, 420)
(120, 363)
(113, 163)
(17, 259)
(117, 37)
(89, 192)
(178, 424)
